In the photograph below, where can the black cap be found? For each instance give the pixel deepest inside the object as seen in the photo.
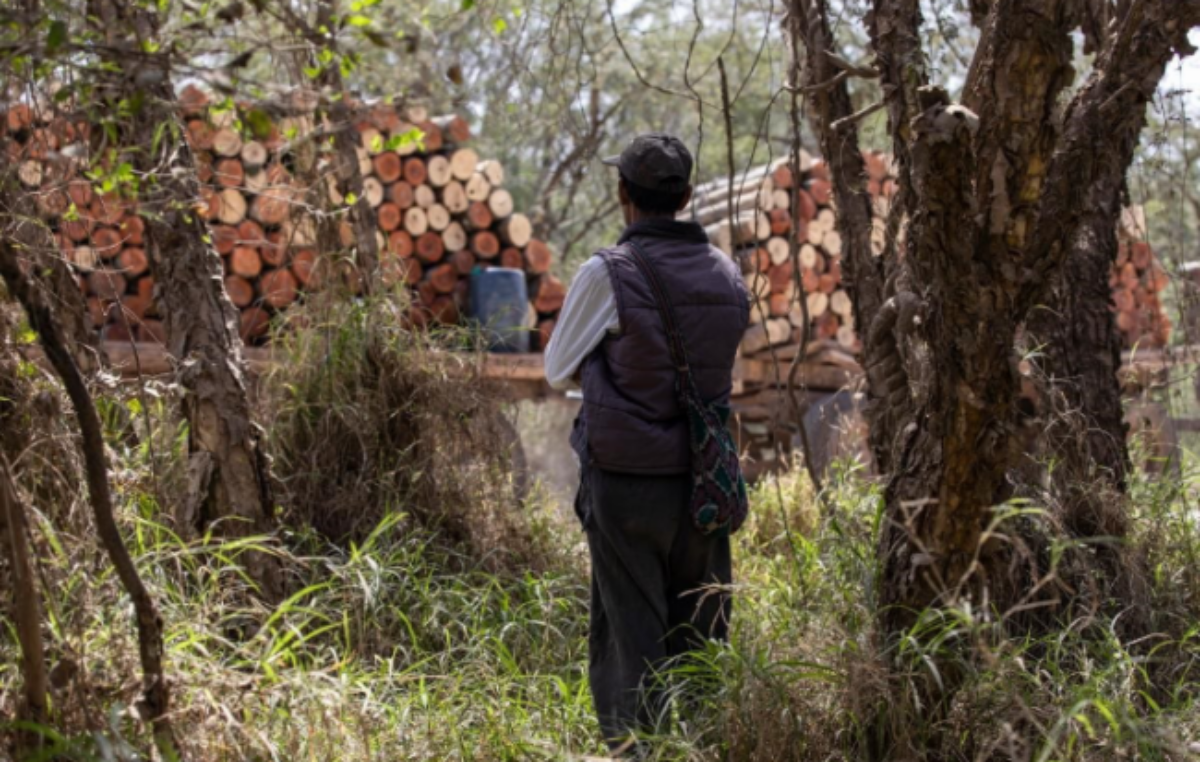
(655, 161)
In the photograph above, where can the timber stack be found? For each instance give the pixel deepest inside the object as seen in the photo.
(791, 291)
(768, 204)
(439, 210)
(1137, 280)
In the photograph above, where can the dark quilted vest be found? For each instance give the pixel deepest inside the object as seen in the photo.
(631, 421)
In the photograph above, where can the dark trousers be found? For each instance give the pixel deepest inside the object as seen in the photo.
(649, 567)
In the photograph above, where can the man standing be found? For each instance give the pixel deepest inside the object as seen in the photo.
(649, 561)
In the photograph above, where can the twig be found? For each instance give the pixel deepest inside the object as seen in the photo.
(863, 72)
(858, 116)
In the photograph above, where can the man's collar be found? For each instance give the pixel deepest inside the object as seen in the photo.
(663, 227)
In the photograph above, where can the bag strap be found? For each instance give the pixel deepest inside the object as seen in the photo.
(665, 308)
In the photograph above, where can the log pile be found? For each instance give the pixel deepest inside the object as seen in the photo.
(440, 212)
(768, 203)
(1137, 280)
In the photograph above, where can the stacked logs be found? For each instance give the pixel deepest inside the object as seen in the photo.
(1137, 280)
(439, 211)
(767, 203)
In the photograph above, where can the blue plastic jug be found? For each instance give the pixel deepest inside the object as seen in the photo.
(500, 303)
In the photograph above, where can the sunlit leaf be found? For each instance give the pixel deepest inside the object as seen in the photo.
(499, 25)
(409, 137)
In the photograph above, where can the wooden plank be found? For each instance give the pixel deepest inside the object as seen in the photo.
(813, 376)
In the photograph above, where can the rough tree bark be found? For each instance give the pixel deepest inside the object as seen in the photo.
(1081, 348)
(990, 197)
(1079, 359)
(228, 468)
(155, 700)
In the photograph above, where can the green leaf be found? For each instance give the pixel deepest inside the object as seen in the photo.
(359, 20)
(351, 199)
(499, 25)
(259, 122)
(312, 72)
(467, 5)
(56, 36)
(414, 135)
(376, 143)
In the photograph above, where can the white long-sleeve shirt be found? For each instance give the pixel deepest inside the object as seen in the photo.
(587, 316)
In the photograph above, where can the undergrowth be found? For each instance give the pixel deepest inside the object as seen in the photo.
(427, 630)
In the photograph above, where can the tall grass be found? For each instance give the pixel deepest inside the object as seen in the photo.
(406, 640)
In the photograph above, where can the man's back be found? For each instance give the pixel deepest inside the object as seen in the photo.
(631, 421)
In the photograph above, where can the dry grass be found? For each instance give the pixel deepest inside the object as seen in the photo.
(368, 419)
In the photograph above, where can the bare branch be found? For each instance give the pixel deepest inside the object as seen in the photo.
(845, 122)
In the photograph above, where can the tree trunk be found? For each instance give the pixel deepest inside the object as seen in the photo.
(1080, 359)
(989, 201)
(864, 273)
(228, 468)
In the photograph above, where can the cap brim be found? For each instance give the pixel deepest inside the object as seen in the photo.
(612, 161)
